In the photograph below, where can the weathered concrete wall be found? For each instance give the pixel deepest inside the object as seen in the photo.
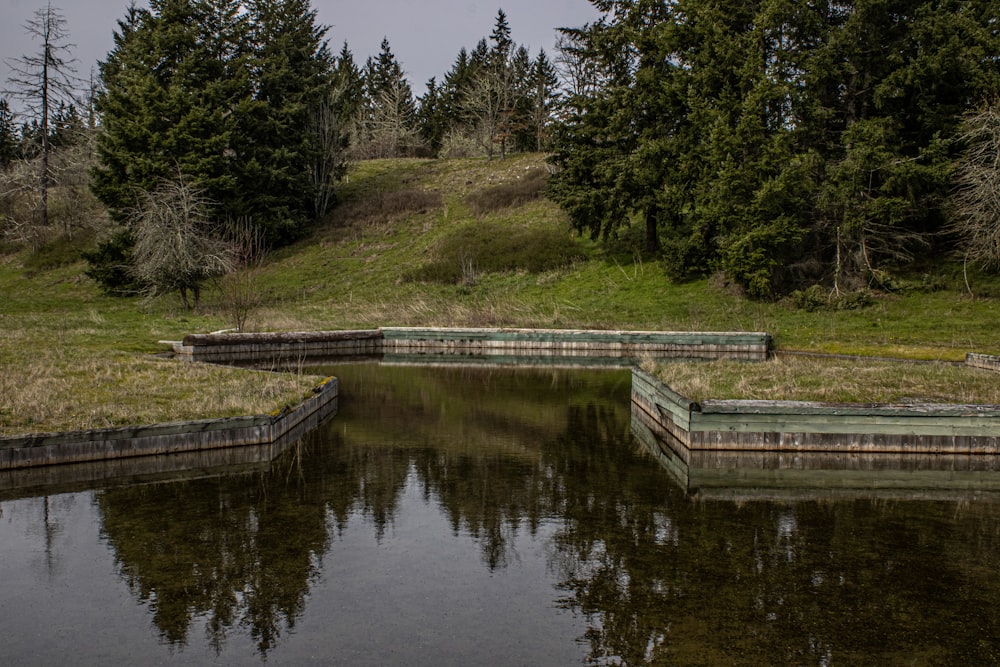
(792, 426)
(173, 438)
(262, 348)
(403, 344)
(984, 361)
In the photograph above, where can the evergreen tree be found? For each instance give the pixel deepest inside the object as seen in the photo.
(8, 135)
(489, 100)
(347, 77)
(66, 126)
(780, 142)
(221, 93)
(174, 94)
(616, 151)
(457, 81)
(431, 117)
(294, 75)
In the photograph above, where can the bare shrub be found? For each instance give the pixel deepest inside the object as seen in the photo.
(241, 291)
(385, 206)
(459, 143)
(976, 202)
(175, 245)
(19, 207)
(509, 195)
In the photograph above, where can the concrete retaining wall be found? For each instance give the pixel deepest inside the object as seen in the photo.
(984, 361)
(404, 343)
(173, 438)
(262, 348)
(792, 426)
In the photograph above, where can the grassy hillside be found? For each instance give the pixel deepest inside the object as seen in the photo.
(414, 242)
(409, 246)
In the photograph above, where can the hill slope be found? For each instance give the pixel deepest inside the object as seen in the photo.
(413, 242)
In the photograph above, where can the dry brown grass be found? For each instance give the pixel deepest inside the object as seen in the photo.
(383, 206)
(57, 394)
(831, 380)
(528, 187)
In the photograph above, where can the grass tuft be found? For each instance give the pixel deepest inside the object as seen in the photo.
(517, 193)
(492, 247)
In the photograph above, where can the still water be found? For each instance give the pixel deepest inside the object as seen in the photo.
(458, 516)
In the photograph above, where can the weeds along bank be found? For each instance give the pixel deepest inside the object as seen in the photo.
(412, 243)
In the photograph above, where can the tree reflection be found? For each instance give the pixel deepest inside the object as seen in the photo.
(660, 578)
(668, 580)
(218, 549)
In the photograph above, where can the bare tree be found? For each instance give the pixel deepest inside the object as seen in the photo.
(488, 103)
(578, 74)
(976, 202)
(176, 248)
(332, 133)
(241, 292)
(390, 128)
(42, 80)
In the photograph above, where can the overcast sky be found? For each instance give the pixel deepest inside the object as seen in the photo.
(425, 35)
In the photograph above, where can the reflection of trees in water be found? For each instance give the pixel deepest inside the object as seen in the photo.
(237, 552)
(242, 552)
(661, 578)
(667, 580)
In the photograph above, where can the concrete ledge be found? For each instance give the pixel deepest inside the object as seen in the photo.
(791, 426)
(177, 437)
(402, 341)
(985, 361)
(266, 347)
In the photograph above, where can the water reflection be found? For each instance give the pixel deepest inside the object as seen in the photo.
(450, 514)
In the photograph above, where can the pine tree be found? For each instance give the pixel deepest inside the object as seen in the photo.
(173, 93)
(294, 76)
(454, 89)
(489, 99)
(224, 94)
(347, 77)
(8, 135)
(616, 152)
(430, 116)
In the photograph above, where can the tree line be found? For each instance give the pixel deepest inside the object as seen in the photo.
(782, 143)
(237, 113)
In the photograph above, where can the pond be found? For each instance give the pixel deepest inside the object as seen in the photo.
(453, 516)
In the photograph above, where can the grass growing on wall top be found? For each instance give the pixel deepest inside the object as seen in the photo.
(831, 380)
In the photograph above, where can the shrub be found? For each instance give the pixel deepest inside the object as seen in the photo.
(817, 297)
(384, 206)
(61, 250)
(494, 247)
(509, 195)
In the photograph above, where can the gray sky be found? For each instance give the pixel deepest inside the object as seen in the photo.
(425, 36)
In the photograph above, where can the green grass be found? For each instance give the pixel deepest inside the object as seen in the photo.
(391, 254)
(831, 380)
